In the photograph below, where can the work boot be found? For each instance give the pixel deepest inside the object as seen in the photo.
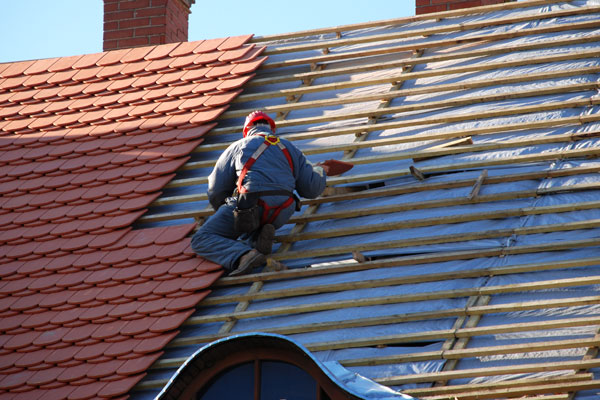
(248, 262)
(264, 242)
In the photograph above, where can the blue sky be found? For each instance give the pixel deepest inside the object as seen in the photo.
(36, 29)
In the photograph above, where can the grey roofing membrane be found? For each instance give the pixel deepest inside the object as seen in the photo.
(565, 208)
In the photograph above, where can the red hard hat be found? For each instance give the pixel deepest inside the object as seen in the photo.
(257, 116)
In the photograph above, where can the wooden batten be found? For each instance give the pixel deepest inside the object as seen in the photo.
(407, 88)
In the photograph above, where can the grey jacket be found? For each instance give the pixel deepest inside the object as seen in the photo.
(270, 172)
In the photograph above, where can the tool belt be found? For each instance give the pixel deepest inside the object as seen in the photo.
(247, 217)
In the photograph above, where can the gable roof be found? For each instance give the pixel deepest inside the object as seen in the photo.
(86, 144)
(459, 256)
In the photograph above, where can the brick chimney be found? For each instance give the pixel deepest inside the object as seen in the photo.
(430, 6)
(134, 23)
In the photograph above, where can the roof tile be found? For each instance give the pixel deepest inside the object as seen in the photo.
(113, 292)
(123, 221)
(170, 286)
(210, 115)
(138, 326)
(185, 48)
(161, 65)
(234, 42)
(221, 70)
(104, 369)
(153, 344)
(161, 51)
(183, 61)
(195, 75)
(86, 391)
(209, 45)
(92, 351)
(152, 185)
(166, 324)
(27, 302)
(32, 358)
(250, 55)
(113, 57)
(76, 265)
(50, 337)
(16, 69)
(202, 283)
(59, 78)
(87, 60)
(137, 67)
(117, 388)
(92, 314)
(236, 53)
(47, 375)
(235, 83)
(64, 63)
(139, 364)
(72, 374)
(221, 99)
(247, 67)
(15, 380)
(187, 301)
(136, 54)
(204, 87)
(21, 341)
(141, 289)
(121, 85)
(206, 58)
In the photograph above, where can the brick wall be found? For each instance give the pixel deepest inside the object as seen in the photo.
(134, 23)
(429, 6)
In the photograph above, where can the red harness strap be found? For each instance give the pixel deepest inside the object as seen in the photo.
(270, 140)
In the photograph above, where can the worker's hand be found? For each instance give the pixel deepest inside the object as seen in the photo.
(335, 167)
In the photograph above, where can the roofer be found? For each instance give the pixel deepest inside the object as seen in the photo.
(252, 190)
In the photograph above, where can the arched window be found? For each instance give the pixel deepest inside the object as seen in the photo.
(259, 367)
(262, 380)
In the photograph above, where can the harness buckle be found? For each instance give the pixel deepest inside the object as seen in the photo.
(272, 139)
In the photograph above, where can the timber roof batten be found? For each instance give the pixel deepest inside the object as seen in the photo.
(471, 209)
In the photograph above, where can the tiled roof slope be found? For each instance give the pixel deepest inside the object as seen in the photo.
(86, 144)
(459, 257)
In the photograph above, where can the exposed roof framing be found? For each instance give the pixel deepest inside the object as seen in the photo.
(466, 235)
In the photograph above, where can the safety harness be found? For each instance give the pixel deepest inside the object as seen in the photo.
(270, 140)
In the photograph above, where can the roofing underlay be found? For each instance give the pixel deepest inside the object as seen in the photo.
(86, 144)
(458, 258)
(460, 255)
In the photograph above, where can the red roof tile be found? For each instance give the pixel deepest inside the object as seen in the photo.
(87, 303)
